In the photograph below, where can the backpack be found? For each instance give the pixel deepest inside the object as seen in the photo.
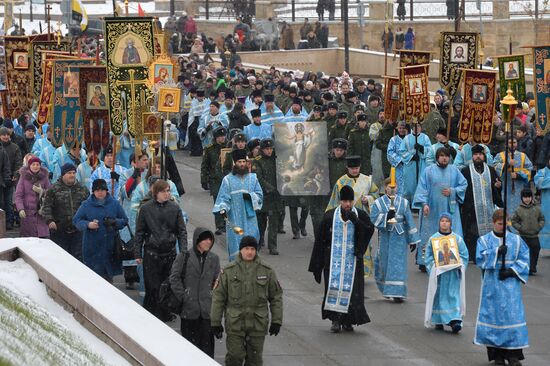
(168, 301)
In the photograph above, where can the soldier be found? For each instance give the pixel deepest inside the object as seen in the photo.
(340, 129)
(264, 166)
(382, 142)
(246, 291)
(317, 114)
(239, 143)
(360, 144)
(211, 171)
(337, 164)
(332, 115)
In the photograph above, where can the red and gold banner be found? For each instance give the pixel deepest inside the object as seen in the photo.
(93, 106)
(478, 106)
(412, 58)
(392, 101)
(415, 91)
(18, 75)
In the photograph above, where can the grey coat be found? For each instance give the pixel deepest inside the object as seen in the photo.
(196, 294)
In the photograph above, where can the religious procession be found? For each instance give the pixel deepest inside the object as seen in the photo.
(389, 170)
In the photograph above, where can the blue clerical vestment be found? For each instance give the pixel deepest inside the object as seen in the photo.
(290, 116)
(240, 208)
(272, 116)
(254, 131)
(522, 167)
(501, 319)
(430, 192)
(542, 182)
(396, 161)
(104, 172)
(446, 298)
(464, 156)
(430, 154)
(390, 261)
(407, 152)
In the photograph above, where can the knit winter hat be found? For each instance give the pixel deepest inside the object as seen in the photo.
(67, 167)
(248, 241)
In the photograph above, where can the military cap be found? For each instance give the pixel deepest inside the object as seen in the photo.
(359, 107)
(220, 131)
(239, 137)
(340, 143)
(266, 143)
(353, 161)
(252, 144)
(332, 105)
(342, 114)
(317, 108)
(362, 117)
(256, 113)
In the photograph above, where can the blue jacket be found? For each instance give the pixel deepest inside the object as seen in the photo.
(97, 245)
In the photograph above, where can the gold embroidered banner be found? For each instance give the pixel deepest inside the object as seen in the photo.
(392, 102)
(412, 58)
(478, 108)
(18, 75)
(458, 52)
(415, 91)
(130, 48)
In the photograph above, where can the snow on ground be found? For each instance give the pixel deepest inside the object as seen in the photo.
(20, 278)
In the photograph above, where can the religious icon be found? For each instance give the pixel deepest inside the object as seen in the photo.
(130, 51)
(415, 86)
(511, 70)
(20, 60)
(547, 72)
(169, 100)
(163, 72)
(479, 93)
(71, 84)
(394, 92)
(96, 96)
(151, 125)
(459, 52)
(445, 249)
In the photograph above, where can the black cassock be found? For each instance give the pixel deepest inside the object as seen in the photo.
(320, 263)
(468, 210)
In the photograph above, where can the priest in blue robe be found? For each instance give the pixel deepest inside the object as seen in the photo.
(441, 189)
(501, 324)
(542, 182)
(464, 155)
(395, 158)
(257, 130)
(442, 141)
(413, 149)
(519, 173)
(396, 234)
(446, 261)
(296, 113)
(111, 176)
(239, 198)
(343, 237)
(270, 112)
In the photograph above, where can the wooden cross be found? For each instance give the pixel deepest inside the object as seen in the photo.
(131, 113)
(48, 18)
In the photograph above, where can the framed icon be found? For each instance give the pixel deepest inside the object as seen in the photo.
(151, 125)
(511, 70)
(459, 52)
(96, 96)
(71, 84)
(479, 93)
(169, 100)
(21, 60)
(415, 86)
(445, 249)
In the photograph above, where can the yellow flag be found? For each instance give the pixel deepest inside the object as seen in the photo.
(79, 14)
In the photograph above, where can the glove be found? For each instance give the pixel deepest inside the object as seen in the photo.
(502, 250)
(506, 273)
(204, 186)
(115, 176)
(415, 157)
(223, 213)
(208, 127)
(353, 217)
(109, 222)
(38, 189)
(217, 331)
(317, 276)
(274, 329)
(246, 196)
(22, 214)
(412, 247)
(391, 214)
(419, 148)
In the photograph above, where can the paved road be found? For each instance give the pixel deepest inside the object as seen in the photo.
(396, 335)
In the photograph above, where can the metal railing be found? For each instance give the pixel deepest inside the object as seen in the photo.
(423, 9)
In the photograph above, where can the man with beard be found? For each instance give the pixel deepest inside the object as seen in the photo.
(257, 130)
(464, 155)
(343, 238)
(440, 189)
(239, 143)
(482, 194)
(395, 158)
(270, 112)
(210, 122)
(239, 197)
(296, 113)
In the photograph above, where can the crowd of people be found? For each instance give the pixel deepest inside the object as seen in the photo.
(380, 173)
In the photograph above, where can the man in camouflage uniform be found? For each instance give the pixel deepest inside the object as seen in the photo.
(265, 167)
(246, 291)
(360, 144)
(340, 129)
(211, 171)
(317, 115)
(60, 204)
(384, 136)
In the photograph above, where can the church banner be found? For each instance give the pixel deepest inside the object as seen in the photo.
(129, 50)
(37, 56)
(541, 57)
(302, 161)
(392, 101)
(511, 74)
(18, 75)
(458, 52)
(413, 58)
(67, 117)
(94, 108)
(478, 106)
(415, 91)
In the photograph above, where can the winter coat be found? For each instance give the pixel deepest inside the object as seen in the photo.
(5, 169)
(28, 200)
(97, 245)
(14, 156)
(528, 220)
(195, 290)
(61, 203)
